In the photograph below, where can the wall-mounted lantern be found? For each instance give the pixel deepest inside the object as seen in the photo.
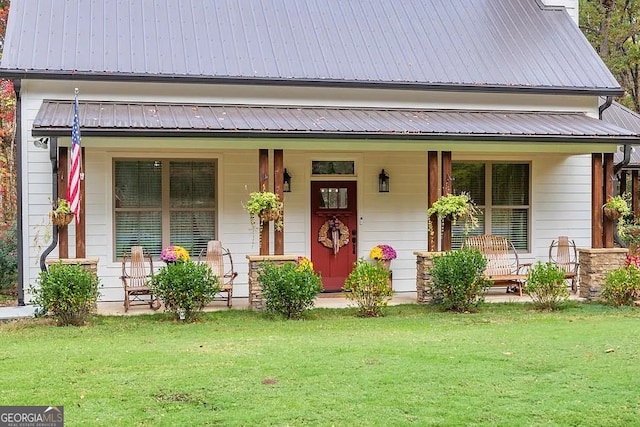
(383, 182)
(286, 186)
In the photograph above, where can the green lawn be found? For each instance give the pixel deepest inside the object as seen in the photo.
(506, 365)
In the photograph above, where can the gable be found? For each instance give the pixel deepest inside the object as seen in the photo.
(472, 44)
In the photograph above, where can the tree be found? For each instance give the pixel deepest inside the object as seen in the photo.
(613, 29)
(8, 206)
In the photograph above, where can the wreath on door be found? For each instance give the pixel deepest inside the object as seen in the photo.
(334, 234)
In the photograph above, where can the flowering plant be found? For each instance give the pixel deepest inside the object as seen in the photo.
(174, 253)
(384, 252)
(304, 263)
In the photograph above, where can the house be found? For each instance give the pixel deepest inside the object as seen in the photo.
(187, 107)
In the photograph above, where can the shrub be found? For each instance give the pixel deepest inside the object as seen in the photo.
(368, 285)
(546, 286)
(185, 288)
(289, 288)
(458, 280)
(8, 257)
(622, 286)
(68, 291)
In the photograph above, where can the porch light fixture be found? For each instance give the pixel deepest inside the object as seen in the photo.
(286, 186)
(41, 143)
(383, 182)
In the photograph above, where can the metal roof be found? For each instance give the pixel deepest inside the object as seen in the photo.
(506, 45)
(619, 115)
(118, 118)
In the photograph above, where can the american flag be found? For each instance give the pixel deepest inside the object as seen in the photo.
(73, 189)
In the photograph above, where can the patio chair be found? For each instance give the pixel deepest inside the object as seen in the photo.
(221, 263)
(137, 270)
(564, 254)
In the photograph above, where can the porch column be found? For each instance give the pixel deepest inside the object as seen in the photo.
(81, 248)
(278, 181)
(609, 224)
(63, 231)
(447, 188)
(432, 196)
(635, 205)
(596, 200)
(623, 182)
(263, 185)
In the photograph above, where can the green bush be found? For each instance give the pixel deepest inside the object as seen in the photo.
(8, 257)
(622, 286)
(67, 291)
(368, 285)
(185, 288)
(458, 280)
(290, 288)
(546, 286)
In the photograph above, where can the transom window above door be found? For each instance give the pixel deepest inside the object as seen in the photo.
(164, 202)
(333, 167)
(501, 191)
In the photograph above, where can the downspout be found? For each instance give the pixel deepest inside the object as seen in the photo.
(17, 86)
(53, 156)
(616, 168)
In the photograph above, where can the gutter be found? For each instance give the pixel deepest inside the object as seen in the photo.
(17, 87)
(304, 82)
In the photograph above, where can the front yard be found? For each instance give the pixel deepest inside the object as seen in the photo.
(506, 365)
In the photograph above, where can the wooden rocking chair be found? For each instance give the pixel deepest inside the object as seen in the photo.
(563, 253)
(137, 270)
(221, 263)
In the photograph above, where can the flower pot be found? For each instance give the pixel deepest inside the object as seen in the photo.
(61, 219)
(270, 215)
(611, 213)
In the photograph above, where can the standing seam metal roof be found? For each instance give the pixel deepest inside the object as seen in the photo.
(55, 118)
(467, 43)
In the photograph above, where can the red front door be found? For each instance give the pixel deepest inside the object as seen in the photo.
(334, 220)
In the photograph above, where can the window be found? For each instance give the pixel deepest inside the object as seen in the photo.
(501, 192)
(164, 202)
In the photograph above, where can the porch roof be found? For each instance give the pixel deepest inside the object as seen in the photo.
(161, 119)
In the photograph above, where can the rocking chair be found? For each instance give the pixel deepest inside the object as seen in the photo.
(563, 253)
(137, 270)
(216, 257)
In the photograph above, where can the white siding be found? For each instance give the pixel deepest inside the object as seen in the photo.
(570, 5)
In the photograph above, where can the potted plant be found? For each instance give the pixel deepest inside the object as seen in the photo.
(383, 254)
(265, 206)
(455, 207)
(616, 207)
(61, 214)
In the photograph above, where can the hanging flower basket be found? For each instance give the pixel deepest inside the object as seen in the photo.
(61, 219)
(612, 213)
(270, 215)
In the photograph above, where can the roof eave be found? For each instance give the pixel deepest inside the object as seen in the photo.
(178, 78)
(156, 133)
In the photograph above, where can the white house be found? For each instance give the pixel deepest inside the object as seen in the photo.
(186, 107)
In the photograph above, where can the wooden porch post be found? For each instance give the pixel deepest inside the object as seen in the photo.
(609, 224)
(63, 232)
(635, 205)
(278, 181)
(447, 188)
(432, 196)
(263, 185)
(596, 200)
(623, 182)
(81, 247)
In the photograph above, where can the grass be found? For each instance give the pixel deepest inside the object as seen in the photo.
(505, 365)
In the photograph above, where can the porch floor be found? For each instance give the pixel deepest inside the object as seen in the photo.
(337, 300)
